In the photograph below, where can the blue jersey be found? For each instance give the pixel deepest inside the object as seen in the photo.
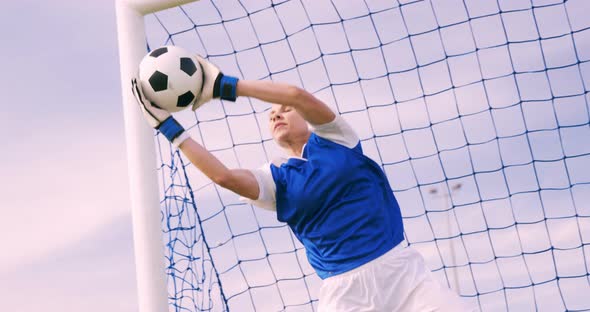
(337, 201)
(339, 204)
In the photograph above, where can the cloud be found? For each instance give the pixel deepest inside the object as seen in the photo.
(96, 273)
(64, 170)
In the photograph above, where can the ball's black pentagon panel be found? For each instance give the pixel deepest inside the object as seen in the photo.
(158, 81)
(158, 52)
(185, 99)
(188, 66)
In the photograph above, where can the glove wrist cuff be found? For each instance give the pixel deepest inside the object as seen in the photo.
(171, 129)
(226, 87)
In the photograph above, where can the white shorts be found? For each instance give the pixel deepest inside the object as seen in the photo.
(397, 281)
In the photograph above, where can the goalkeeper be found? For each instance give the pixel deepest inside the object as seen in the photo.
(337, 201)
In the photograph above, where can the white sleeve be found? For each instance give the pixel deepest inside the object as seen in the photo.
(337, 131)
(266, 185)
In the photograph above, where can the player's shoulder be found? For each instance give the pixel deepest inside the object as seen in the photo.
(338, 131)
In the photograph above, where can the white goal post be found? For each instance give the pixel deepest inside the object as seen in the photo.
(141, 155)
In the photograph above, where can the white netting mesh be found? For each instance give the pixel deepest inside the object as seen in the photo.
(477, 111)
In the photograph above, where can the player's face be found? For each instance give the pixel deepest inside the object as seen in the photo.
(286, 125)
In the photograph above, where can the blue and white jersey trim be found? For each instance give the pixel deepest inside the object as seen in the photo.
(337, 131)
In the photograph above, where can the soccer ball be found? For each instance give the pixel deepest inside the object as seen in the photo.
(171, 78)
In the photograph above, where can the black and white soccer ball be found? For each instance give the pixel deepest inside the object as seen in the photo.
(171, 78)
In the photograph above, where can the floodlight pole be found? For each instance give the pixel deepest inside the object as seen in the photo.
(141, 157)
(446, 196)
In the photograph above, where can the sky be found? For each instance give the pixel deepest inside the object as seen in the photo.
(63, 162)
(66, 234)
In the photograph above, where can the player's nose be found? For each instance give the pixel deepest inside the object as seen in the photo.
(276, 117)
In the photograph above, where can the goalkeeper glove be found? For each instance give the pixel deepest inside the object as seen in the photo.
(158, 118)
(215, 84)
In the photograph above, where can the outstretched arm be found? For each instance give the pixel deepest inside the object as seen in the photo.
(308, 106)
(240, 181)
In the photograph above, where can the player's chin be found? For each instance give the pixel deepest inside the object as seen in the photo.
(280, 135)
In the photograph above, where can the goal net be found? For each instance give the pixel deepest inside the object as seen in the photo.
(477, 111)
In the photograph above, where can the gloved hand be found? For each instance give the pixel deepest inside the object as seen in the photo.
(158, 118)
(215, 84)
